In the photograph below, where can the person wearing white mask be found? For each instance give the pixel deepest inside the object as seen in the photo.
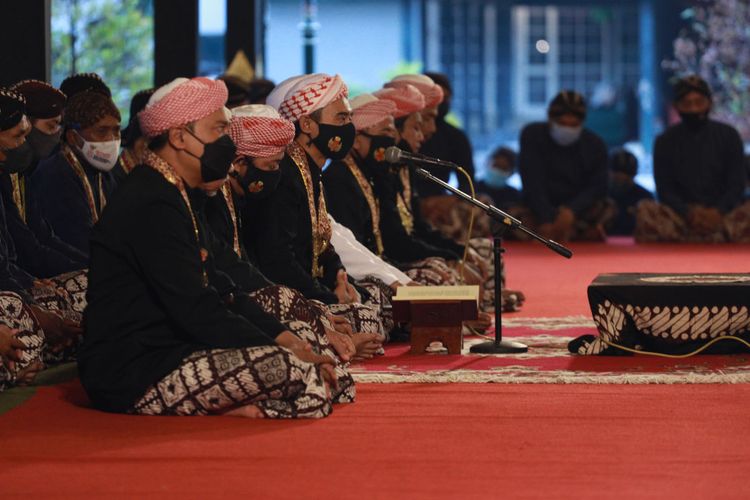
(563, 167)
(71, 188)
(500, 168)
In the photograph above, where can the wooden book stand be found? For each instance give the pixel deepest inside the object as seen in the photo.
(436, 314)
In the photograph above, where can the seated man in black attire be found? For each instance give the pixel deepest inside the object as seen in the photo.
(448, 142)
(71, 188)
(699, 170)
(40, 251)
(160, 338)
(563, 167)
(625, 192)
(356, 194)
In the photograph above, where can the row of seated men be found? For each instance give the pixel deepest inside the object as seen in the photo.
(228, 271)
(198, 251)
(568, 191)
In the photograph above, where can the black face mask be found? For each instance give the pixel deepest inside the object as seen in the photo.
(335, 141)
(378, 146)
(443, 109)
(694, 121)
(17, 160)
(258, 184)
(217, 157)
(43, 144)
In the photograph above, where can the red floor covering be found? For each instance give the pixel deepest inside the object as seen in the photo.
(555, 286)
(398, 441)
(419, 441)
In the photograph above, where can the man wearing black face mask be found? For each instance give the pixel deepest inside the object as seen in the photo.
(22, 259)
(350, 182)
(261, 136)
(33, 255)
(282, 227)
(155, 314)
(44, 105)
(699, 173)
(353, 188)
(289, 233)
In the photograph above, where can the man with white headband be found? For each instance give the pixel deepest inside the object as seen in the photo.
(290, 232)
(351, 188)
(261, 136)
(160, 339)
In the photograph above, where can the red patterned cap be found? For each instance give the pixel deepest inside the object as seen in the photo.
(259, 131)
(368, 110)
(407, 98)
(180, 102)
(302, 95)
(432, 92)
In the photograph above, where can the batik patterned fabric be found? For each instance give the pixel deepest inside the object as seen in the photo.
(290, 305)
(67, 298)
(381, 296)
(658, 222)
(16, 315)
(307, 320)
(589, 225)
(215, 381)
(671, 314)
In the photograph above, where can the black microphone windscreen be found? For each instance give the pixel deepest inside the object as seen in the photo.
(393, 155)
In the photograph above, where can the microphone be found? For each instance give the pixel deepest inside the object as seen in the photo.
(396, 155)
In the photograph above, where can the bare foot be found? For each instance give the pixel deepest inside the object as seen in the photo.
(367, 345)
(342, 344)
(247, 411)
(28, 374)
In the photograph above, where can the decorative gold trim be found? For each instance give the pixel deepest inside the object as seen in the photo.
(127, 160)
(19, 194)
(366, 188)
(321, 226)
(403, 201)
(226, 191)
(72, 160)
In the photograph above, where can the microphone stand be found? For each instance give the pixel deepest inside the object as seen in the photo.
(505, 222)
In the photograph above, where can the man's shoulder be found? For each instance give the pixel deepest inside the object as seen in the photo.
(336, 170)
(54, 167)
(725, 129)
(593, 139)
(144, 186)
(535, 130)
(290, 172)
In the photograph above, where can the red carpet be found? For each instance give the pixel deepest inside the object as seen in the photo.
(555, 286)
(421, 441)
(398, 441)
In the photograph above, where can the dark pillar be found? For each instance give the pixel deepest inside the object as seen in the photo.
(175, 39)
(25, 40)
(245, 32)
(310, 28)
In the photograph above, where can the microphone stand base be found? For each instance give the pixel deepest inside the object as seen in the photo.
(502, 347)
